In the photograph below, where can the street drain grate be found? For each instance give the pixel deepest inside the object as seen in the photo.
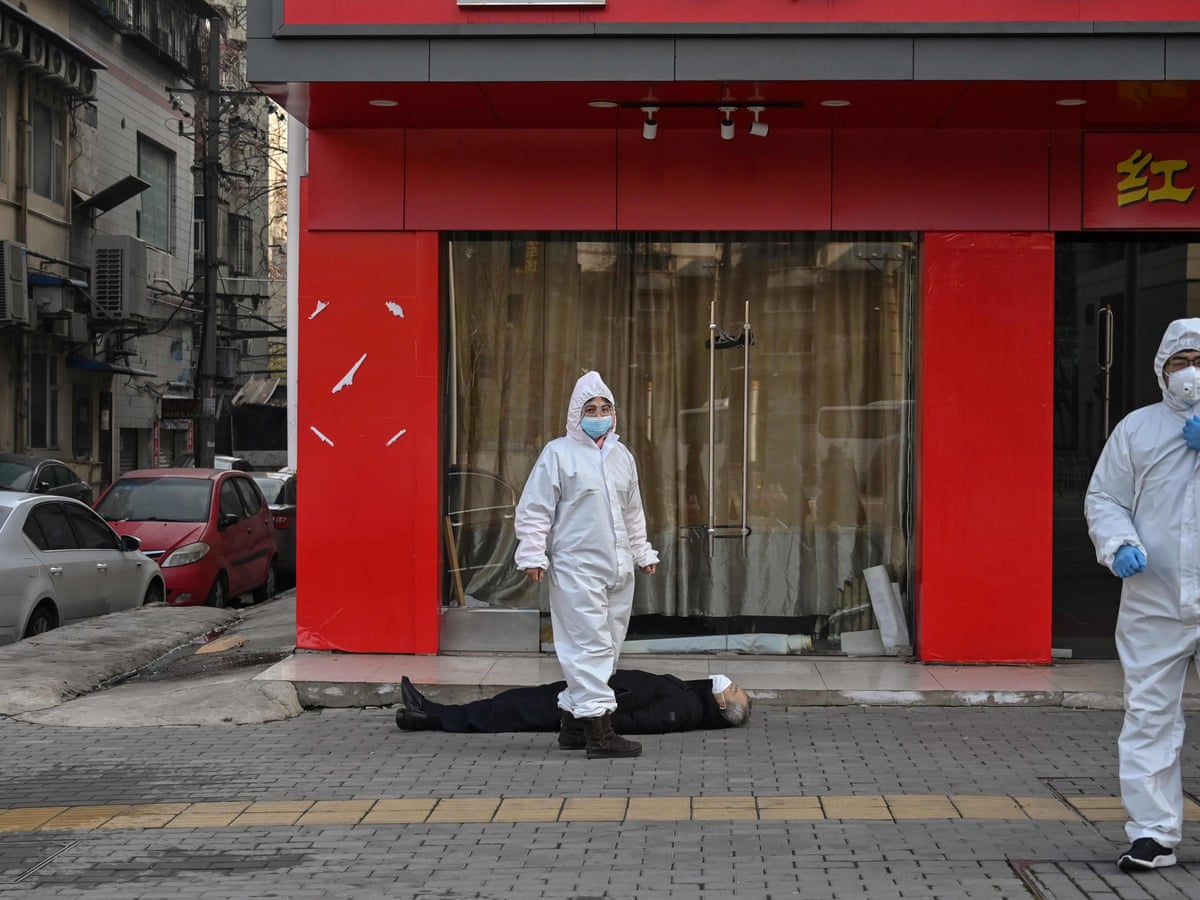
(21, 858)
(1049, 880)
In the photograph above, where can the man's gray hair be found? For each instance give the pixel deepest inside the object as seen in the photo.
(736, 712)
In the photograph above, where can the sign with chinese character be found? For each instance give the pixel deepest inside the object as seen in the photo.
(180, 408)
(1141, 181)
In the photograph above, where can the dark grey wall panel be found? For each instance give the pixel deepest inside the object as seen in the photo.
(793, 59)
(1183, 58)
(1095, 58)
(549, 59)
(339, 59)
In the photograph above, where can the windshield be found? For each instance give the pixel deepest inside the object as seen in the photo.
(15, 476)
(157, 500)
(270, 487)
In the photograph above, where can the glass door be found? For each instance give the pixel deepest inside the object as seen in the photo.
(1114, 297)
(762, 383)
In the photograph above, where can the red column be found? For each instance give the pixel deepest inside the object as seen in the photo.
(368, 442)
(985, 448)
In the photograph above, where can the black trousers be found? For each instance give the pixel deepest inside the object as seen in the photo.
(519, 709)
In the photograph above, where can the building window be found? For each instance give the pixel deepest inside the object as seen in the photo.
(156, 165)
(43, 401)
(240, 249)
(47, 158)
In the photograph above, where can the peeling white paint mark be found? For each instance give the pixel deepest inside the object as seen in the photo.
(395, 437)
(395, 309)
(314, 430)
(321, 304)
(885, 698)
(348, 378)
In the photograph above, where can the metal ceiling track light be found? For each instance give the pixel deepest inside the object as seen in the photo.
(726, 108)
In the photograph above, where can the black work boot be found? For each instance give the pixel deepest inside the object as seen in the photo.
(570, 732)
(604, 743)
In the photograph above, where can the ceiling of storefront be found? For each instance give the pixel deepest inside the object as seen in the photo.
(908, 104)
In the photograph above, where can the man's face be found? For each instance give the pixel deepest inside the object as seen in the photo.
(1177, 362)
(597, 406)
(732, 694)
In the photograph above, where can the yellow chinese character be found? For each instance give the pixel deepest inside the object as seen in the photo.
(1169, 191)
(1132, 188)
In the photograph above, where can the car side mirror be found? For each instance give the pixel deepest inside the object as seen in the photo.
(227, 520)
(42, 487)
(129, 543)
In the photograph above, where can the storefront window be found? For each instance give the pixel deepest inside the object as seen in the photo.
(762, 382)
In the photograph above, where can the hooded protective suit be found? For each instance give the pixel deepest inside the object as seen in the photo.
(1143, 493)
(580, 519)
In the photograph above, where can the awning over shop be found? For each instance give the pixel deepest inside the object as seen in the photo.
(261, 391)
(105, 368)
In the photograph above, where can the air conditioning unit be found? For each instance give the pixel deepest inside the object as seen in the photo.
(12, 37)
(73, 327)
(119, 276)
(227, 362)
(14, 286)
(72, 74)
(87, 84)
(36, 50)
(56, 65)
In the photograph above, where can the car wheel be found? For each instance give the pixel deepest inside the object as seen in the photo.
(267, 591)
(154, 594)
(217, 597)
(42, 620)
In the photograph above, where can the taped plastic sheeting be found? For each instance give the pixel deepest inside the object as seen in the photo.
(712, 643)
(889, 613)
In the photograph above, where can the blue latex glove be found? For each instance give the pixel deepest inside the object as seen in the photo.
(1191, 432)
(1128, 561)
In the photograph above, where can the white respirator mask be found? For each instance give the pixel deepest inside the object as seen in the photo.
(1185, 385)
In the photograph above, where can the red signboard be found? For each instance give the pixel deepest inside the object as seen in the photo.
(1141, 181)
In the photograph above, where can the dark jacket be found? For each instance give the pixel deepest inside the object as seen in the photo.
(646, 704)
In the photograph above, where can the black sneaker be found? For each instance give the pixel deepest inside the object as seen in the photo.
(1146, 853)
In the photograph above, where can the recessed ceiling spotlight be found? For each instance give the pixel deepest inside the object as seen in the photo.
(1071, 101)
(385, 102)
(834, 103)
(602, 104)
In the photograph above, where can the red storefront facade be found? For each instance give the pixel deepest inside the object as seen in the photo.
(958, 126)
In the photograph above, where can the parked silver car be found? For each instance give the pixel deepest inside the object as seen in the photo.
(279, 488)
(61, 562)
(42, 476)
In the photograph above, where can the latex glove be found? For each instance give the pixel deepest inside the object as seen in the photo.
(1128, 561)
(1191, 432)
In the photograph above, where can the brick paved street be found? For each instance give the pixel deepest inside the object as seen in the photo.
(825, 802)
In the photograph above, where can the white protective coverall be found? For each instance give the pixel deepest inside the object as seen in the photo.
(1143, 492)
(580, 519)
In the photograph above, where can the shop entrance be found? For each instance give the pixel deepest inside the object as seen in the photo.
(763, 384)
(1114, 296)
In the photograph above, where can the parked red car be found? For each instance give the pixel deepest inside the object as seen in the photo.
(209, 530)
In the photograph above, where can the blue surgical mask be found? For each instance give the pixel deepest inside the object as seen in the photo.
(596, 426)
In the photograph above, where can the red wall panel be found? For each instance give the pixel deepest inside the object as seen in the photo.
(692, 179)
(524, 179)
(924, 179)
(360, 179)
(985, 448)
(299, 12)
(368, 442)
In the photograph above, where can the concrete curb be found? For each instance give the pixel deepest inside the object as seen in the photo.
(45, 671)
(348, 695)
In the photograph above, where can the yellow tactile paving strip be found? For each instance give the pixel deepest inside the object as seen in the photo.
(461, 810)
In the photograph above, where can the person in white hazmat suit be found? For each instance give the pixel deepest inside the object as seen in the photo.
(1143, 514)
(580, 524)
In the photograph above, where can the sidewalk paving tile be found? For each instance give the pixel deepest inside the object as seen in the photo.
(976, 807)
(146, 815)
(724, 808)
(931, 806)
(84, 816)
(528, 809)
(273, 812)
(335, 812)
(29, 818)
(475, 809)
(855, 807)
(1046, 808)
(659, 809)
(1100, 809)
(790, 808)
(211, 814)
(399, 812)
(594, 809)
